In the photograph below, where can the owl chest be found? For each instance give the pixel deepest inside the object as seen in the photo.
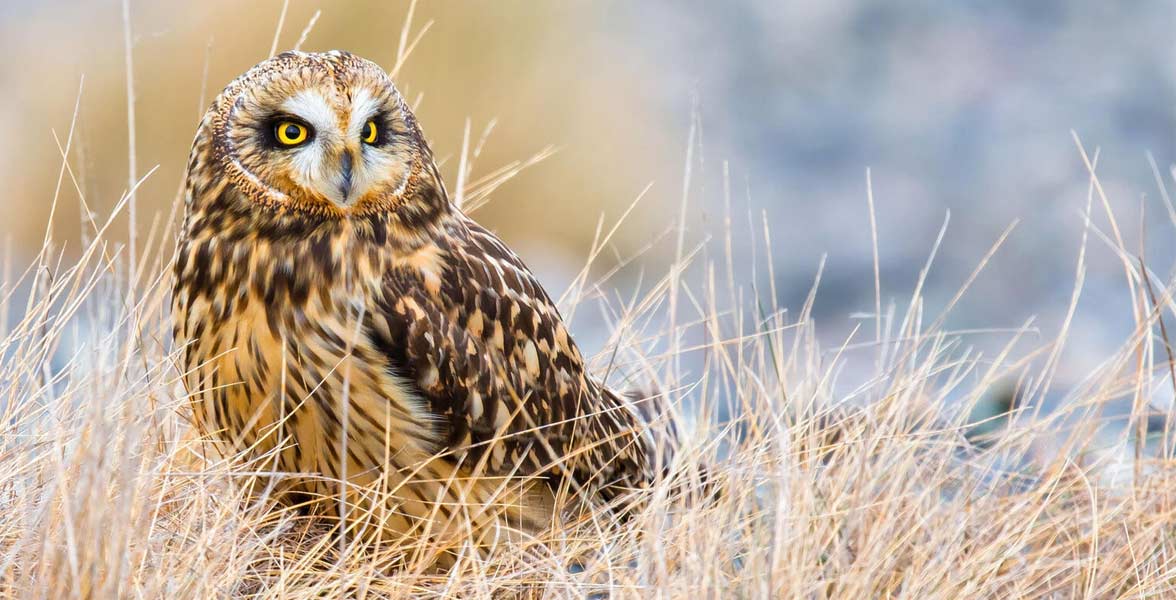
(294, 369)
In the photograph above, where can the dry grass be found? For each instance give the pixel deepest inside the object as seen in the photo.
(869, 494)
(821, 493)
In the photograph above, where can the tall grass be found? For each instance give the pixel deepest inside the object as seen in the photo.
(816, 493)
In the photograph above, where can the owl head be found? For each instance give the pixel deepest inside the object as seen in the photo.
(323, 134)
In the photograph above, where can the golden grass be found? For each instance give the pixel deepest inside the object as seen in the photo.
(871, 494)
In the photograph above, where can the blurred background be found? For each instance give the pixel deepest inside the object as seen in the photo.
(964, 107)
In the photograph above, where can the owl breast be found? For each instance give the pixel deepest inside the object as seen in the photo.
(276, 357)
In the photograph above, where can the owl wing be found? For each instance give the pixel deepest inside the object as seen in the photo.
(494, 361)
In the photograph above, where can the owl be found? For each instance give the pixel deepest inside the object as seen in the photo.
(342, 324)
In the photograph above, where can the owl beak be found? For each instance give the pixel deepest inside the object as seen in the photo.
(345, 179)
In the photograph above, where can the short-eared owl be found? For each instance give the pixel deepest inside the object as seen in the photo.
(340, 319)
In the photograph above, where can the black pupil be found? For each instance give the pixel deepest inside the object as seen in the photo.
(292, 132)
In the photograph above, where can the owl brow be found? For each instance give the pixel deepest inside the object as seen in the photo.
(310, 108)
(372, 109)
(277, 116)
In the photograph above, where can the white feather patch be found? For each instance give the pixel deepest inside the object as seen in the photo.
(312, 106)
(363, 107)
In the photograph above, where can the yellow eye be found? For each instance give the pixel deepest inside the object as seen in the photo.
(370, 133)
(290, 133)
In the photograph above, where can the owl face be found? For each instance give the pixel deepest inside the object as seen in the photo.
(325, 133)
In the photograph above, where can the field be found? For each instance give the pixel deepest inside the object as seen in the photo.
(941, 472)
(886, 491)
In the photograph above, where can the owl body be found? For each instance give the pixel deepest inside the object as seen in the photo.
(341, 322)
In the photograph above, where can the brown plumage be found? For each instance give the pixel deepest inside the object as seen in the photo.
(339, 316)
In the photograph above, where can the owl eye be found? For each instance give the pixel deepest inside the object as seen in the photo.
(371, 133)
(289, 133)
